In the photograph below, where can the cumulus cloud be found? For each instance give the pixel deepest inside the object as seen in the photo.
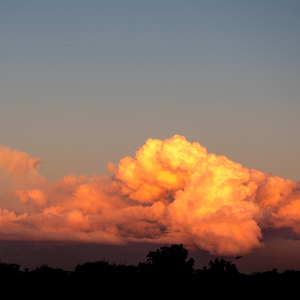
(172, 191)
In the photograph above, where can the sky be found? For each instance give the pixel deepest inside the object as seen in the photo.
(85, 84)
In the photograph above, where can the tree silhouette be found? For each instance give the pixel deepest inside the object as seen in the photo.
(222, 266)
(168, 262)
(9, 270)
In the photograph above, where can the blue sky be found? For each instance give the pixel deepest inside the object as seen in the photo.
(87, 82)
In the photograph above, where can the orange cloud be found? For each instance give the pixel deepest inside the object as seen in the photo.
(19, 164)
(36, 195)
(172, 191)
(159, 169)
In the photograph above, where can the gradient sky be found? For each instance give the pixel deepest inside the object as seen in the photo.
(84, 83)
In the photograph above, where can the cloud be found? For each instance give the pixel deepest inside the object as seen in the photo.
(173, 191)
(18, 164)
(37, 196)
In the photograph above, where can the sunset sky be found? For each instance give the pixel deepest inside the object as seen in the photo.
(85, 84)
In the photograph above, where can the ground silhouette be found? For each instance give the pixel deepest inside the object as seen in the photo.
(166, 269)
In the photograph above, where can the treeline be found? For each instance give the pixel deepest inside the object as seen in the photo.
(165, 269)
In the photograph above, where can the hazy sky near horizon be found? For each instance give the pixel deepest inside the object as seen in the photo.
(84, 83)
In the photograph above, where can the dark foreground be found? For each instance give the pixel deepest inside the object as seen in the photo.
(166, 272)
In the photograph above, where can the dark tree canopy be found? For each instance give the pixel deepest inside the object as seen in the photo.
(167, 269)
(171, 261)
(222, 266)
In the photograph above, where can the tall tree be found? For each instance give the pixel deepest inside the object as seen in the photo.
(169, 261)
